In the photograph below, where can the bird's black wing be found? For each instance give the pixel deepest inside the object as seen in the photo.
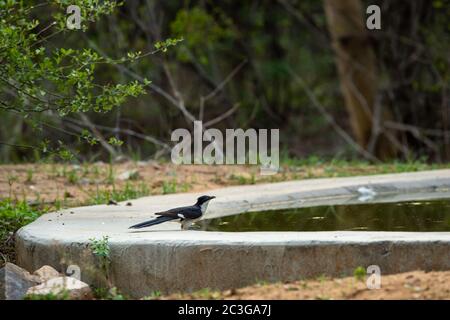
(190, 212)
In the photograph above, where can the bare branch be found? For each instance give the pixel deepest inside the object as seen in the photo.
(222, 116)
(333, 123)
(98, 135)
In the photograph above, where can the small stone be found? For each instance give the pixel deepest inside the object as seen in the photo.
(15, 281)
(129, 175)
(75, 288)
(291, 288)
(85, 181)
(121, 159)
(154, 164)
(67, 194)
(129, 204)
(112, 202)
(46, 273)
(228, 293)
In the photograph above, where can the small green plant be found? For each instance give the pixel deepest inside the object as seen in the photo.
(206, 293)
(63, 295)
(108, 294)
(13, 216)
(11, 180)
(111, 175)
(262, 283)
(114, 294)
(29, 178)
(100, 248)
(165, 44)
(252, 178)
(58, 204)
(115, 142)
(72, 177)
(185, 187)
(169, 187)
(359, 273)
(96, 171)
(135, 176)
(153, 295)
(100, 293)
(240, 179)
(86, 169)
(129, 192)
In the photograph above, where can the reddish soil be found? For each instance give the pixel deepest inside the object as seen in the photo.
(409, 285)
(72, 185)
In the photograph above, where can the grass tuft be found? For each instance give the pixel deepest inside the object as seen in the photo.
(13, 216)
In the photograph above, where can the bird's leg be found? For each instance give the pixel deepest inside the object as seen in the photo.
(185, 224)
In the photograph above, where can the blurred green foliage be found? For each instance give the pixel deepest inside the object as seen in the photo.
(106, 64)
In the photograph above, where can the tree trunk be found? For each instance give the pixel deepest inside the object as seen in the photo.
(356, 65)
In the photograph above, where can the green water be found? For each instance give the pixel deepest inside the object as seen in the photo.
(401, 216)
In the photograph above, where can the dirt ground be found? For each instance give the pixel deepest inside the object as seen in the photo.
(409, 285)
(75, 185)
(72, 185)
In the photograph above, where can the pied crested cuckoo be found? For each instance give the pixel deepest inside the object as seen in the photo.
(185, 215)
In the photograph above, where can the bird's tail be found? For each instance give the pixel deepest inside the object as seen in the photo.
(152, 222)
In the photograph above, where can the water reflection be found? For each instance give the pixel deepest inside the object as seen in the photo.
(403, 216)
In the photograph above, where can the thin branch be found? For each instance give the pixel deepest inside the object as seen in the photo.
(226, 80)
(222, 116)
(341, 132)
(219, 88)
(98, 135)
(18, 145)
(124, 131)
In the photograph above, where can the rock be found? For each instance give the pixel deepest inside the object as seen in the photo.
(154, 164)
(85, 181)
(129, 175)
(15, 281)
(46, 273)
(121, 159)
(67, 194)
(75, 289)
